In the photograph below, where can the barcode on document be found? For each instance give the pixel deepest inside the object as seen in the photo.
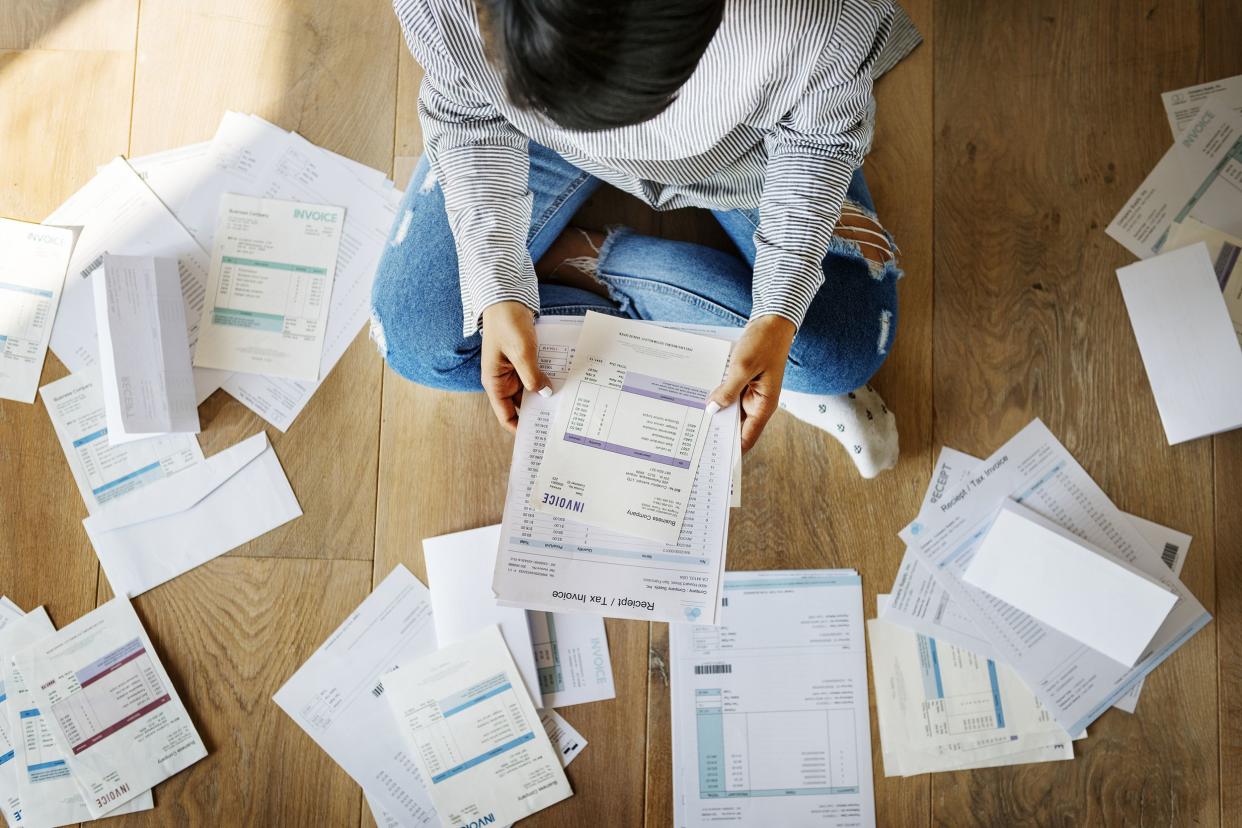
(724, 602)
(712, 669)
(378, 689)
(1169, 555)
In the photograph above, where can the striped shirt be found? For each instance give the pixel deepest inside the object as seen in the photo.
(776, 116)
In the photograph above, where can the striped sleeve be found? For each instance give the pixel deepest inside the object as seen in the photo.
(482, 164)
(812, 154)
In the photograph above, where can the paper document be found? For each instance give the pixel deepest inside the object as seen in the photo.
(1188, 343)
(769, 710)
(556, 563)
(33, 259)
(475, 735)
(458, 570)
(631, 422)
(10, 805)
(144, 356)
(1183, 105)
(1075, 684)
(1198, 177)
(118, 213)
(1034, 566)
(571, 655)
(110, 706)
(1226, 254)
(47, 793)
(338, 695)
(941, 707)
(105, 472)
(269, 287)
(185, 521)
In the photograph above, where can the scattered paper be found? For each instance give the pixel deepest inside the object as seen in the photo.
(185, 521)
(105, 472)
(144, 356)
(1187, 341)
(1226, 254)
(474, 733)
(1183, 105)
(571, 655)
(33, 259)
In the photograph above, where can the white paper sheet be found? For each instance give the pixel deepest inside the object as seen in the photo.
(33, 259)
(118, 213)
(769, 710)
(1031, 564)
(1197, 177)
(228, 500)
(110, 706)
(10, 805)
(269, 287)
(602, 572)
(1189, 347)
(631, 421)
(103, 472)
(1184, 105)
(46, 792)
(1034, 469)
(144, 355)
(571, 655)
(1226, 254)
(462, 603)
(475, 735)
(942, 708)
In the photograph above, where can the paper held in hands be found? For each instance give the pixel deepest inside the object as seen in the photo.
(1057, 578)
(630, 427)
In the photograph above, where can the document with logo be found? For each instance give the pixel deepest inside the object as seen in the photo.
(110, 706)
(941, 707)
(46, 791)
(474, 733)
(1184, 105)
(269, 287)
(144, 353)
(556, 563)
(571, 655)
(631, 422)
(33, 259)
(1198, 177)
(337, 696)
(103, 471)
(770, 714)
(1074, 683)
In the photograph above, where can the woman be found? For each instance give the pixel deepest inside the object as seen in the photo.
(759, 111)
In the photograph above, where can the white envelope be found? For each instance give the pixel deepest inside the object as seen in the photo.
(1061, 580)
(192, 517)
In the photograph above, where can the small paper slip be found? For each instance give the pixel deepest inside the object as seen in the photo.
(571, 655)
(474, 733)
(185, 521)
(458, 574)
(33, 259)
(630, 426)
(103, 472)
(1056, 577)
(1183, 105)
(269, 287)
(110, 706)
(144, 355)
(337, 696)
(1187, 341)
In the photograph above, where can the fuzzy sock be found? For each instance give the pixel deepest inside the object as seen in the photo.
(858, 420)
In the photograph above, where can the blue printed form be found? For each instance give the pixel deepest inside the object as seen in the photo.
(32, 273)
(475, 735)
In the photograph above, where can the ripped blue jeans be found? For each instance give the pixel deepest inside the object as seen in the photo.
(416, 318)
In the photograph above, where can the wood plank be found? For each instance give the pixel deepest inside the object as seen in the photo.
(1047, 117)
(72, 25)
(1222, 58)
(230, 633)
(328, 71)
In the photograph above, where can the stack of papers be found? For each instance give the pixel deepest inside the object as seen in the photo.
(90, 717)
(448, 731)
(769, 709)
(1046, 496)
(555, 562)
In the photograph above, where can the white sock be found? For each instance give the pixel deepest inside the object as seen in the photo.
(858, 420)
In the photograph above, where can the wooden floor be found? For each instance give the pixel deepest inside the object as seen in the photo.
(1005, 145)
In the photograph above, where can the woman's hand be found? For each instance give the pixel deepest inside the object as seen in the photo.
(755, 373)
(510, 363)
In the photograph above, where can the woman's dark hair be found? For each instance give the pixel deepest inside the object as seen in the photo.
(597, 64)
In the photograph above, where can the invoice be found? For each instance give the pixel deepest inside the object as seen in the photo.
(33, 259)
(629, 427)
